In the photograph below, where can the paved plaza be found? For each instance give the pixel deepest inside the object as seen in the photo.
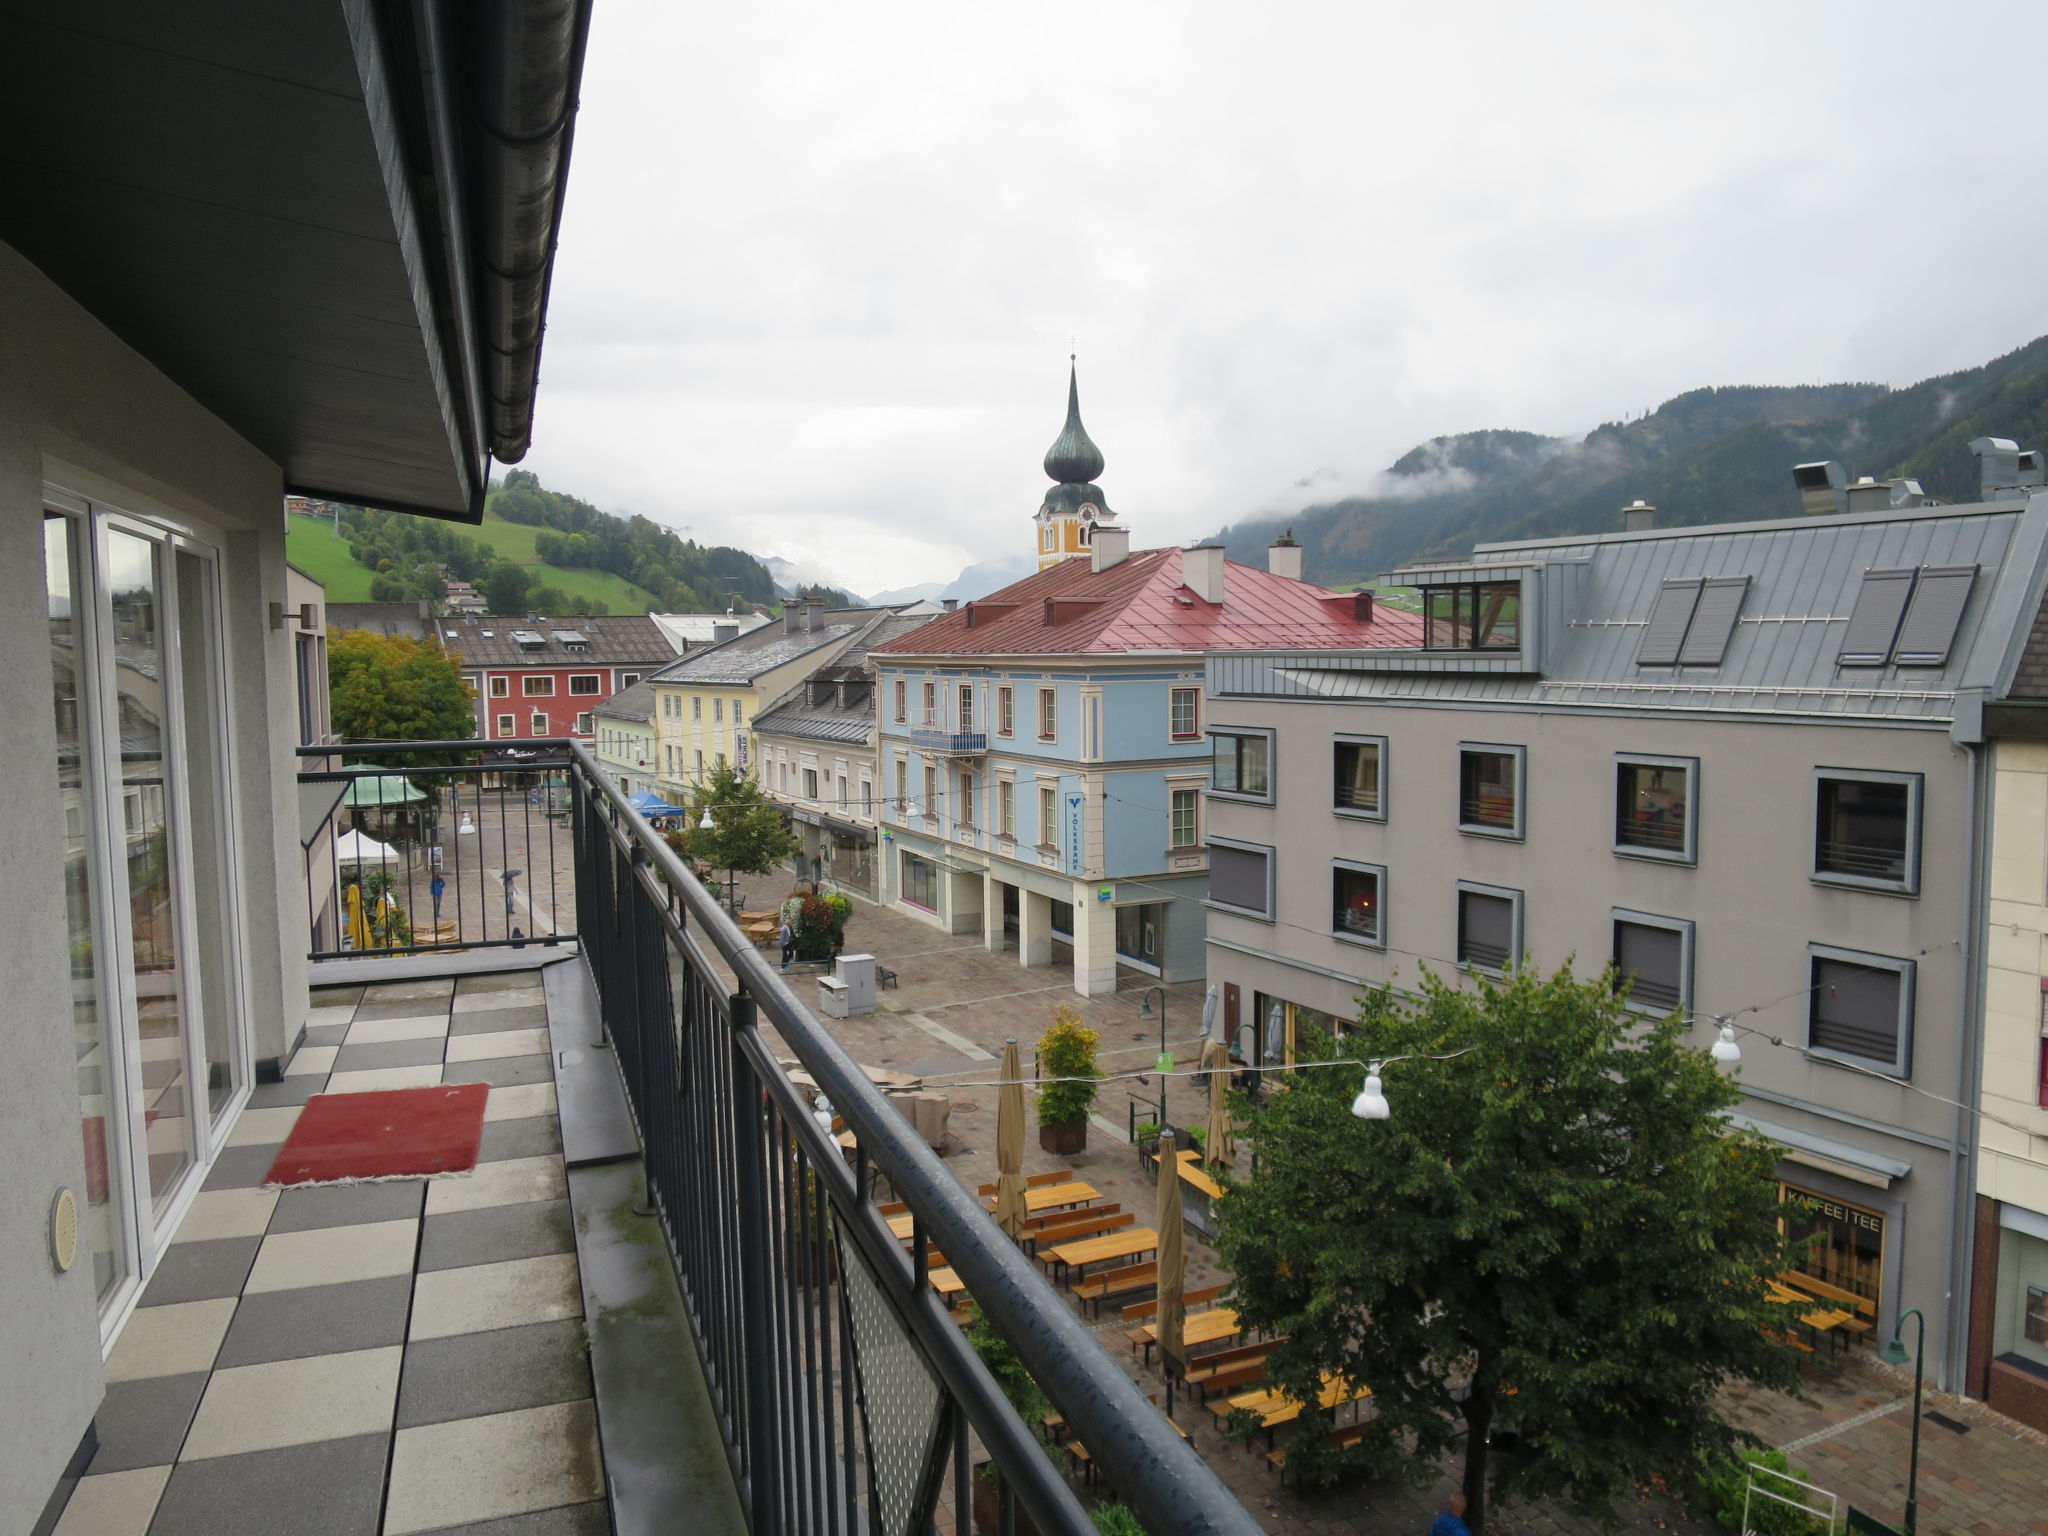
(946, 1020)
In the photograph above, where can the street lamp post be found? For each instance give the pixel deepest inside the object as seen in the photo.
(1894, 1353)
(1165, 1063)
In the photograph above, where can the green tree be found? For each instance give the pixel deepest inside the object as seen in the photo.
(747, 835)
(505, 586)
(388, 688)
(1066, 1051)
(1554, 1223)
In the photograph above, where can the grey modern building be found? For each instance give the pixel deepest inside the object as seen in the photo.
(1745, 763)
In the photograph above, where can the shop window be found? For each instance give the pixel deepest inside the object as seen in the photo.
(1654, 807)
(1355, 891)
(1358, 766)
(1861, 1007)
(1490, 790)
(920, 882)
(1847, 1251)
(1243, 764)
(1138, 931)
(1866, 829)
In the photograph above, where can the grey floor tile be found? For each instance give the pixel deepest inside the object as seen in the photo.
(317, 1320)
(497, 1233)
(142, 1423)
(488, 1021)
(533, 1136)
(501, 1071)
(241, 1167)
(334, 997)
(498, 981)
(472, 1374)
(293, 1090)
(568, 1520)
(347, 1205)
(390, 1053)
(202, 1271)
(401, 1008)
(326, 1034)
(412, 989)
(328, 1488)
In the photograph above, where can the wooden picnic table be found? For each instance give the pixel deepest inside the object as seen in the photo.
(1198, 1328)
(1193, 1174)
(947, 1284)
(1046, 1198)
(1275, 1408)
(1093, 1250)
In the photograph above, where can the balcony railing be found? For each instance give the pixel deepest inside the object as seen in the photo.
(848, 1398)
(937, 738)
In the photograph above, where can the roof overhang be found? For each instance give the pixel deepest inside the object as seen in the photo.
(332, 225)
(1840, 1158)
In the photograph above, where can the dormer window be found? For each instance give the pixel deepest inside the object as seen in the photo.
(1485, 616)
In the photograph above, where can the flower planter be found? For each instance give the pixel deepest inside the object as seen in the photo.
(1064, 1138)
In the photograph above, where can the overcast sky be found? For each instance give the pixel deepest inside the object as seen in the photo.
(823, 263)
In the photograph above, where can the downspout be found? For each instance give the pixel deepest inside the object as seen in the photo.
(522, 119)
(1969, 1076)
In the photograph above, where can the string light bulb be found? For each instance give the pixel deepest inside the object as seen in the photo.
(1725, 1051)
(1371, 1103)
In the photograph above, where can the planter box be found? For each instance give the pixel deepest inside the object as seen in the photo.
(1064, 1139)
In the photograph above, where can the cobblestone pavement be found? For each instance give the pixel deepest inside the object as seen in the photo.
(946, 1021)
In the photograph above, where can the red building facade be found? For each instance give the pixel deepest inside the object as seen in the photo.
(543, 677)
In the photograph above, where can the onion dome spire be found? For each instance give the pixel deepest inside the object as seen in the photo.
(1073, 458)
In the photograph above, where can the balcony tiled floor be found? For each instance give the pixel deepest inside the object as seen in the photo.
(355, 1359)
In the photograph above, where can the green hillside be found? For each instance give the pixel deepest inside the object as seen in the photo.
(1708, 456)
(312, 545)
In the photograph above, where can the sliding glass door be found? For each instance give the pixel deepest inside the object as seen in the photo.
(143, 761)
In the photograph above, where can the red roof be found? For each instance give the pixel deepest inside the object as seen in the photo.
(1140, 604)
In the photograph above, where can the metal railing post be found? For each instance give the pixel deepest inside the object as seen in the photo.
(756, 1298)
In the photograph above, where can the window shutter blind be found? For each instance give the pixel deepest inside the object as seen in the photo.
(1874, 621)
(1237, 877)
(1486, 928)
(1655, 958)
(1929, 629)
(1856, 1010)
(1670, 617)
(1713, 621)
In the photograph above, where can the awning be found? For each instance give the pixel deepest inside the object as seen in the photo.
(1825, 1153)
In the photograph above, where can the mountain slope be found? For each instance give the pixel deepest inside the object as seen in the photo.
(1708, 456)
(312, 545)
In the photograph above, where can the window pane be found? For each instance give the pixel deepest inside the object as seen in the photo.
(1223, 774)
(1183, 818)
(1863, 829)
(1486, 930)
(206, 778)
(99, 1226)
(1855, 1010)
(1498, 625)
(1355, 899)
(1183, 712)
(1650, 806)
(1486, 796)
(1440, 620)
(1252, 753)
(1358, 776)
(1655, 959)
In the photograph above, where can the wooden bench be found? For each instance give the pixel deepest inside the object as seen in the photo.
(893, 1208)
(1091, 1225)
(1228, 1369)
(1342, 1436)
(1863, 1308)
(1036, 1224)
(1117, 1282)
(1137, 1312)
(884, 976)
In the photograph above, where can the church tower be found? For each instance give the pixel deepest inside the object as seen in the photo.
(1075, 505)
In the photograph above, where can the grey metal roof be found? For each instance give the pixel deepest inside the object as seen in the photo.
(1593, 598)
(758, 651)
(635, 703)
(848, 727)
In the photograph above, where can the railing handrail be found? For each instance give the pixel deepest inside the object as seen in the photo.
(1156, 1472)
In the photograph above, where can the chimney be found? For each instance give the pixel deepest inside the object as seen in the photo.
(814, 614)
(1998, 465)
(793, 616)
(1823, 488)
(1283, 557)
(1109, 546)
(949, 603)
(723, 632)
(1638, 517)
(1201, 571)
(1868, 495)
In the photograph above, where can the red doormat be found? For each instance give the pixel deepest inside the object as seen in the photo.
(401, 1133)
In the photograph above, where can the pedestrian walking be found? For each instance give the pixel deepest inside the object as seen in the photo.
(1452, 1521)
(436, 889)
(787, 936)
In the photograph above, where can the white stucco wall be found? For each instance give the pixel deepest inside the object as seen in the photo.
(2013, 1164)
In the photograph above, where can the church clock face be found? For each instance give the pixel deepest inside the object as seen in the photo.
(1087, 514)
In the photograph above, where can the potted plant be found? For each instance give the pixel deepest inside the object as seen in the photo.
(1024, 1395)
(1066, 1061)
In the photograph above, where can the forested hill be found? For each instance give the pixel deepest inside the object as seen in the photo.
(1709, 456)
(560, 555)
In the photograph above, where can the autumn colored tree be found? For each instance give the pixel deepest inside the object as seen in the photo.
(389, 688)
(1552, 1230)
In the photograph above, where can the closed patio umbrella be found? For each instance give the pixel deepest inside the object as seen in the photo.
(1172, 1262)
(358, 919)
(1221, 1150)
(1010, 1206)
